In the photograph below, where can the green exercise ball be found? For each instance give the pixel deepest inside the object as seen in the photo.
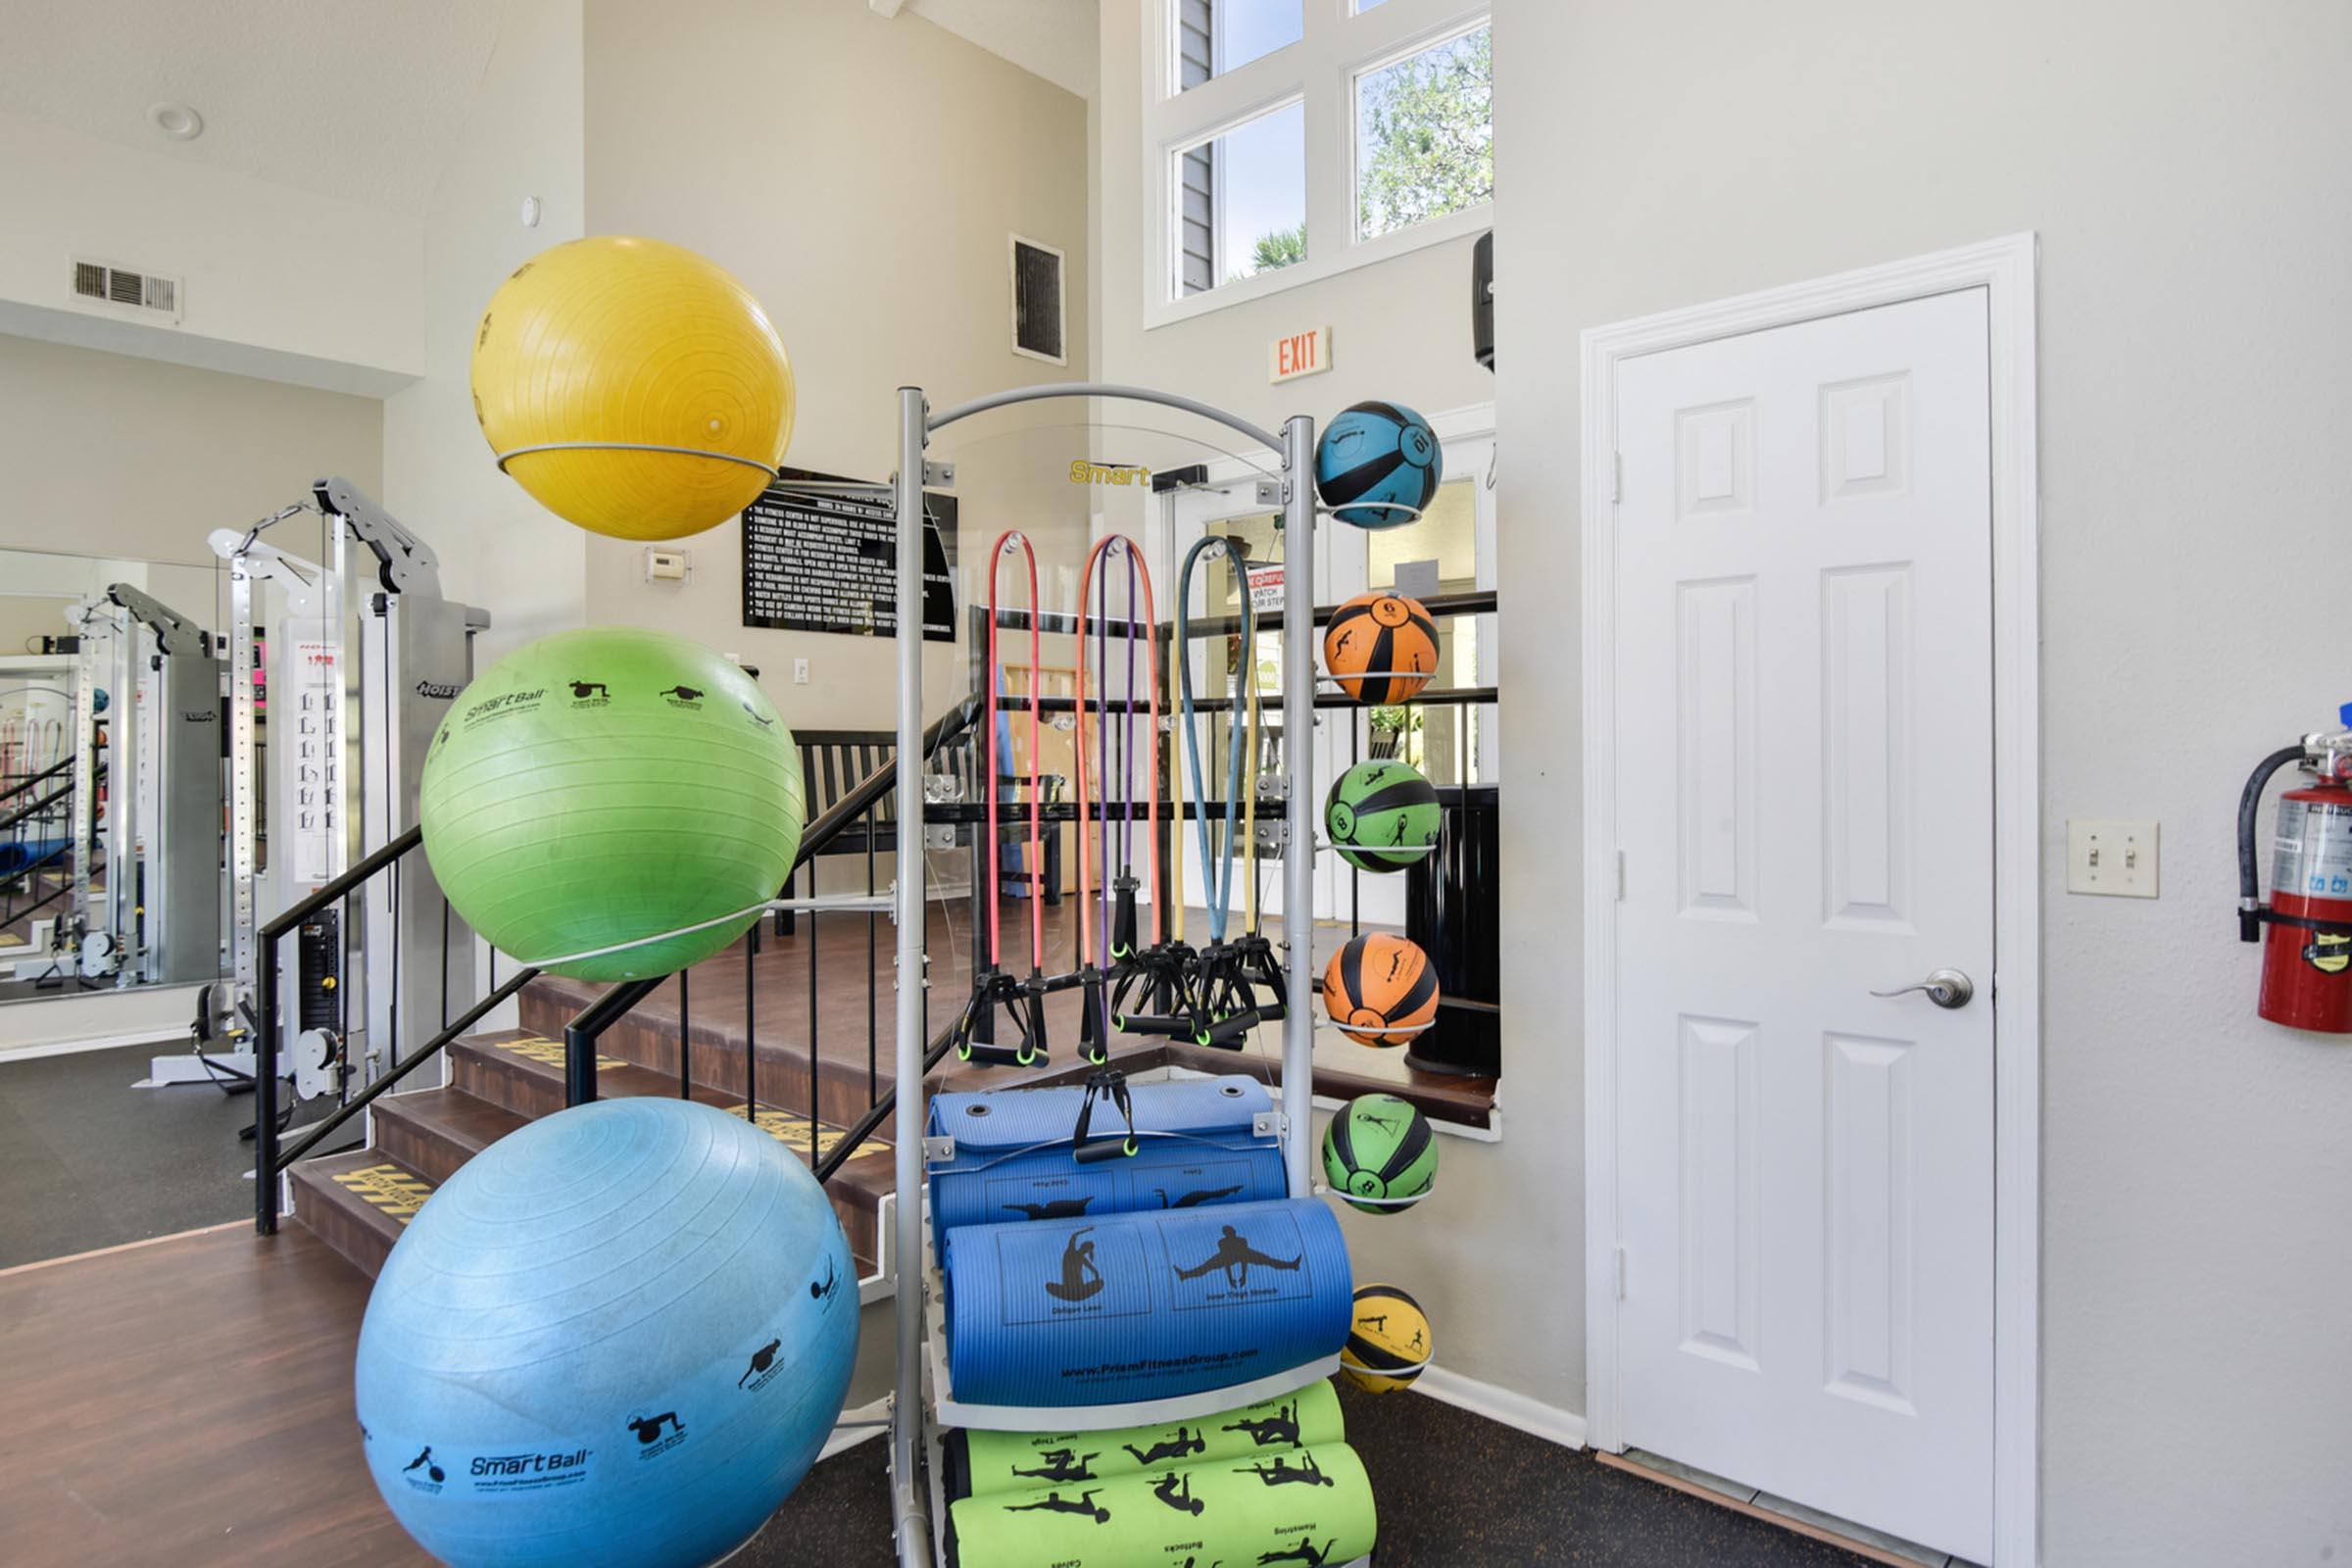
(599, 787)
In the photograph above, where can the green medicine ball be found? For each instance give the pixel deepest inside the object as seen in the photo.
(599, 787)
(1378, 1147)
(1381, 816)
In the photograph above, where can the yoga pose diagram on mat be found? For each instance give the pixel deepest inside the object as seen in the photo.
(1282, 1428)
(1080, 1278)
(1186, 1442)
(1055, 1502)
(1064, 1464)
(1194, 1200)
(1307, 1551)
(1283, 1473)
(1235, 1255)
(1175, 1489)
(1058, 1208)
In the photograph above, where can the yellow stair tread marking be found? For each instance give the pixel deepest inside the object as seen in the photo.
(387, 1187)
(791, 1129)
(549, 1053)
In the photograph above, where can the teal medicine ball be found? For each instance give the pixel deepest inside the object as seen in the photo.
(599, 787)
(618, 1336)
(1378, 465)
(1381, 816)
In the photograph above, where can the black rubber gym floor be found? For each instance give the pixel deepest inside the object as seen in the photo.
(1454, 1488)
(87, 1162)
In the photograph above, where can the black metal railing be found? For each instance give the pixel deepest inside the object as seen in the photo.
(863, 821)
(36, 842)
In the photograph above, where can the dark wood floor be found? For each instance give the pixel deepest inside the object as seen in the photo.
(187, 1402)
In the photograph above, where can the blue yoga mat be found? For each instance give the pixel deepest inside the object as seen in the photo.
(1195, 1146)
(1143, 1307)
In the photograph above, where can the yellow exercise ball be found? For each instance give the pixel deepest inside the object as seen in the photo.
(627, 343)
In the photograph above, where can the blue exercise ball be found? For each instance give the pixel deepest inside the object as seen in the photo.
(1378, 465)
(616, 1336)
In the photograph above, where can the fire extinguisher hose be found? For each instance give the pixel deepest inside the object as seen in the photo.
(2249, 806)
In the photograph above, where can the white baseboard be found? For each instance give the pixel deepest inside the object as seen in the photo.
(1513, 1409)
(67, 1048)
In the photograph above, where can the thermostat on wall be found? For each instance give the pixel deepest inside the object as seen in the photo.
(667, 565)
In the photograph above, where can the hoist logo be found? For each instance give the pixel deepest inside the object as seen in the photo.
(200, 715)
(439, 691)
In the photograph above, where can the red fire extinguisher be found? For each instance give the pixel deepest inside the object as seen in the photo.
(2307, 958)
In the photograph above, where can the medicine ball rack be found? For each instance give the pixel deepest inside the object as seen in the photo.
(914, 1422)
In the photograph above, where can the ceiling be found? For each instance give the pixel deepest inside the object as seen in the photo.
(1051, 38)
(360, 100)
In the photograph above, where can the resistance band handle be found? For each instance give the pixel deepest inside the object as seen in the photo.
(1111, 1087)
(1229, 1031)
(1146, 1023)
(1122, 920)
(1091, 1045)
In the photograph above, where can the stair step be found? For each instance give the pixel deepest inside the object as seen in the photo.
(648, 1037)
(521, 1074)
(434, 1131)
(357, 1203)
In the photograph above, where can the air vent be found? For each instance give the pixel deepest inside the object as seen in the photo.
(144, 292)
(1036, 310)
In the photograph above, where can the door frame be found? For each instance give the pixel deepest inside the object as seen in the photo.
(2005, 269)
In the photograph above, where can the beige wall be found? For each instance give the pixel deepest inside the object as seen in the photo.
(277, 281)
(861, 176)
(108, 454)
(499, 548)
(2182, 165)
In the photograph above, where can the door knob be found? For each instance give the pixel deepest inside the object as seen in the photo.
(1947, 987)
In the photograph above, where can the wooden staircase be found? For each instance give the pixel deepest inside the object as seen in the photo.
(359, 1202)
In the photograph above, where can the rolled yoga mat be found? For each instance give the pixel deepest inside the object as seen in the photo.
(1311, 1508)
(979, 1463)
(1196, 1145)
(1143, 1307)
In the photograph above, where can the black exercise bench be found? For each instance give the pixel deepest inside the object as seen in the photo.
(835, 761)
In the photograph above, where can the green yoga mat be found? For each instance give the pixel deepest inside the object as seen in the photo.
(980, 1462)
(1306, 1507)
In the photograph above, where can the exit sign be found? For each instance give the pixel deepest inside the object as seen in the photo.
(1302, 354)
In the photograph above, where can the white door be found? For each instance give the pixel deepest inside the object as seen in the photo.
(1804, 776)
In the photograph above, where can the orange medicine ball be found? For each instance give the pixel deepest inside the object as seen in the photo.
(1380, 990)
(1381, 648)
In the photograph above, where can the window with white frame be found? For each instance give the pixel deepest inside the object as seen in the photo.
(1285, 140)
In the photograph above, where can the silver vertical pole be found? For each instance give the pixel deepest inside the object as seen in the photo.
(908, 1512)
(1299, 761)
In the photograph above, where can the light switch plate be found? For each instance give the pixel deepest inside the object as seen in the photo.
(2114, 860)
(800, 672)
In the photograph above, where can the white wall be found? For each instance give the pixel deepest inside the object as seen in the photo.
(2183, 166)
(861, 176)
(498, 547)
(277, 282)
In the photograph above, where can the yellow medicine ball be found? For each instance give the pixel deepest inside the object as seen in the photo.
(632, 343)
(1388, 1340)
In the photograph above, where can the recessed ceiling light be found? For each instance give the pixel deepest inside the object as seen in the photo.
(178, 122)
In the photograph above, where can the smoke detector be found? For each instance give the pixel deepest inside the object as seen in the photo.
(177, 121)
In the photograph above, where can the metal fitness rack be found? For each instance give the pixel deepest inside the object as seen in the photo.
(910, 1420)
